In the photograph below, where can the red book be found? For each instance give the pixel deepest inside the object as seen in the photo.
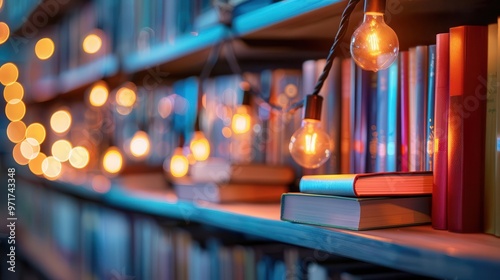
(466, 127)
(404, 61)
(441, 106)
(347, 116)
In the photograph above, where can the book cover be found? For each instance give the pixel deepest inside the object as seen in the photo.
(441, 108)
(404, 60)
(368, 184)
(355, 213)
(228, 192)
(466, 128)
(490, 137)
(429, 122)
(417, 106)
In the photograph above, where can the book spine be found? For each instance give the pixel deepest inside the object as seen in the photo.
(361, 115)
(441, 107)
(372, 132)
(404, 60)
(466, 128)
(497, 159)
(347, 117)
(429, 151)
(382, 119)
(417, 98)
(393, 91)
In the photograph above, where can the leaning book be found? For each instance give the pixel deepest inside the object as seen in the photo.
(355, 213)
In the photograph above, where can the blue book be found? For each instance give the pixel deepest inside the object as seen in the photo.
(372, 128)
(382, 120)
(392, 117)
(429, 152)
(361, 117)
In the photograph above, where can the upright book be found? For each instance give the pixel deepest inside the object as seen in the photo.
(441, 105)
(369, 184)
(466, 128)
(355, 213)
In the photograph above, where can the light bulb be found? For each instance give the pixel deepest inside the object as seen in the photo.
(374, 45)
(112, 162)
(199, 146)
(241, 120)
(310, 146)
(179, 164)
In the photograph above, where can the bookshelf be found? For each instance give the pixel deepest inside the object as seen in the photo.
(417, 249)
(282, 33)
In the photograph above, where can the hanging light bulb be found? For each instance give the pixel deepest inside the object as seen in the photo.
(374, 45)
(242, 121)
(310, 146)
(199, 145)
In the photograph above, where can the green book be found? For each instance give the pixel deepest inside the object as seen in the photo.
(355, 213)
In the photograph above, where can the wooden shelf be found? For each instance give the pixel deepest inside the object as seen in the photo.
(418, 249)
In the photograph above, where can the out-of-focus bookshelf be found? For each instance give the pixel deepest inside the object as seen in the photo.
(170, 46)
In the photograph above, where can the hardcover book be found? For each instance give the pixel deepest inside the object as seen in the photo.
(355, 213)
(369, 184)
(228, 192)
(466, 128)
(441, 107)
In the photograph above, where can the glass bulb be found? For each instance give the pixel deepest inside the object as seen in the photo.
(199, 146)
(374, 45)
(179, 164)
(241, 121)
(310, 146)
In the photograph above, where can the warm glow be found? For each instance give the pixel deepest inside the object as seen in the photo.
(310, 146)
(35, 165)
(241, 121)
(79, 157)
(15, 110)
(112, 161)
(92, 43)
(30, 148)
(18, 156)
(44, 48)
(36, 131)
(16, 131)
(227, 132)
(8, 73)
(13, 91)
(179, 165)
(139, 145)
(200, 148)
(310, 143)
(126, 96)
(60, 121)
(61, 150)
(373, 44)
(4, 32)
(165, 107)
(98, 94)
(51, 167)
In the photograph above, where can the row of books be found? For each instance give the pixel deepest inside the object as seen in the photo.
(100, 242)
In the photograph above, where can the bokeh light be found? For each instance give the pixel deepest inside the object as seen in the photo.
(61, 150)
(98, 94)
(60, 121)
(16, 131)
(92, 43)
(126, 96)
(51, 167)
(15, 110)
(4, 32)
(44, 48)
(139, 145)
(79, 157)
(112, 161)
(30, 148)
(35, 165)
(13, 91)
(18, 156)
(8, 73)
(36, 131)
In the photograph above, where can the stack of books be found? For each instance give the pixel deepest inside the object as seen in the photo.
(361, 201)
(220, 181)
